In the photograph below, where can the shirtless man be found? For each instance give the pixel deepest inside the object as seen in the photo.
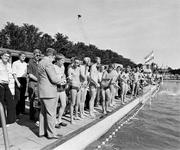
(74, 87)
(113, 85)
(119, 82)
(61, 95)
(93, 85)
(107, 79)
(84, 83)
(136, 81)
(125, 79)
(98, 95)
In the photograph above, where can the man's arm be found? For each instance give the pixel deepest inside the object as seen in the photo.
(50, 70)
(93, 74)
(30, 72)
(14, 74)
(84, 72)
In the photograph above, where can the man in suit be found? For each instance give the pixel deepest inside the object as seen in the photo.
(48, 81)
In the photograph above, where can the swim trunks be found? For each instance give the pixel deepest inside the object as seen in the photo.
(61, 88)
(74, 87)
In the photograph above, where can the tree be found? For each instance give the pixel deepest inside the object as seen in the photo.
(45, 41)
(25, 38)
(32, 37)
(61, 43)
(12, 36)
(28, 37)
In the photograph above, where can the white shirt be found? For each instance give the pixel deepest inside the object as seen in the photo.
(5, 70)
(19, 68)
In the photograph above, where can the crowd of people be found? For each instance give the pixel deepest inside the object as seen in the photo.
(85, 85)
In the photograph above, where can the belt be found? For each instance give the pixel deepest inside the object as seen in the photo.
(4, 82)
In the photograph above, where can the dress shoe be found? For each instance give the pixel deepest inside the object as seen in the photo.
(63, 124)
(54, 137)
(40, 136)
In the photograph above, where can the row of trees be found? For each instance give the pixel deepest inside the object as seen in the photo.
(28, 37)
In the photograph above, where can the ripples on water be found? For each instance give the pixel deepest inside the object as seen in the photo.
(157, 126)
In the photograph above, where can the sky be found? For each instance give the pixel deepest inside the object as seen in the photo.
(132, 28)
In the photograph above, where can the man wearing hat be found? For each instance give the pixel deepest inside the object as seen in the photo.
(32, 71)
(47, 82)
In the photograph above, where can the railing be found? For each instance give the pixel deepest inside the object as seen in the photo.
(3, 122)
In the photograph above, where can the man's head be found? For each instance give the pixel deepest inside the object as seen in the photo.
(134, 69)
(137, 68)
(22, 56)
(110, 68)
(87, 61)
(98, 60)
(59, 59)
(76, 62)
(5, 55)
(118, 68)
(50, 53)
(101, 68)
(129, 68)
(114, 66)
(37, 54)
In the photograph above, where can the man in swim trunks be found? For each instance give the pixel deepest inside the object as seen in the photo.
(113, 85)
(93, 85)
(61, 95)
(98, 95)
(119, 81)
(84, 83)
(136, 81)
(125, 79)
(74, 87)
(107, 79)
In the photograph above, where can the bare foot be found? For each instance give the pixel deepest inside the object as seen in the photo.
(104, 112)
(82, 116)
(95, 111)
(108, 111)
(72, 122)
(85, 114)
(92, 115)
(77, 118)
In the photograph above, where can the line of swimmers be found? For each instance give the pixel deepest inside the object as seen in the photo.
(103, 85)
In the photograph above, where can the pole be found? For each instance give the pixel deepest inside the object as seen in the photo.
(3, 122)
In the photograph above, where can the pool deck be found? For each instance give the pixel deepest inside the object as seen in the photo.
(23, 135)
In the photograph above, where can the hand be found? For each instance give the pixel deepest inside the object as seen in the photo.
(87, 68)
(63, 82)
(67, 86)
(97, 85)
(19, 85)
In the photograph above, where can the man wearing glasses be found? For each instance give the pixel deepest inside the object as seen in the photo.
(19, 72)
(32, 71)
(6, 97)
